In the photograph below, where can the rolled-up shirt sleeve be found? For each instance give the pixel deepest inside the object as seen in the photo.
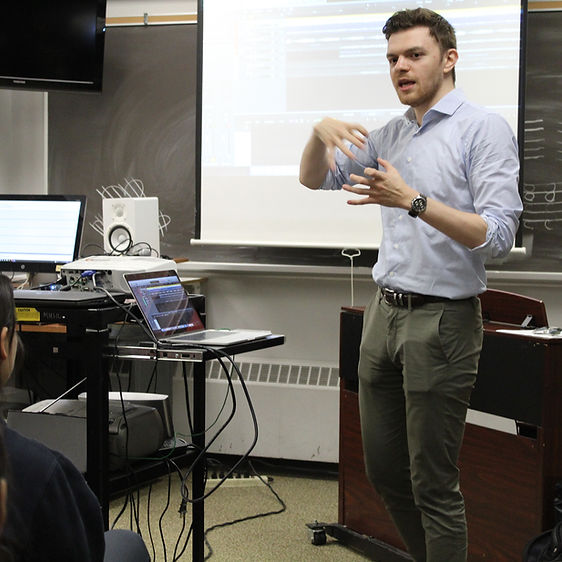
(494, 180)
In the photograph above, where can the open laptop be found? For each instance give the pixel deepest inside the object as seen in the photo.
(169, 315)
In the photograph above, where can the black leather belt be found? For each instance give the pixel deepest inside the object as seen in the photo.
(394, 298)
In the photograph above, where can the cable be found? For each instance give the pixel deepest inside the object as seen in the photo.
(163, 540)
(187, 405)
(351, 253)
(151, 250)
(169, 464)
(153, 377)
(55, 400)
(135, 509)
(122, 401)
(218, 355)
(127, 309)
(184, 492)
(178, 557)
(148, 522)
(249, 517)
(121, 511)
(188, 408)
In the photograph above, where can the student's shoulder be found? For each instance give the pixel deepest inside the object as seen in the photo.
(28, 456)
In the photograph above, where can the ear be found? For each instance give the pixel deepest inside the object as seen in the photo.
(4, 343)
(450, 57)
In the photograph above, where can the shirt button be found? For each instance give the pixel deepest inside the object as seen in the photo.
(391, 274)
(396, 246)
(409, 159)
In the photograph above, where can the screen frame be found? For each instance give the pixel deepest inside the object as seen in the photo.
(40, 266)
(46, 83)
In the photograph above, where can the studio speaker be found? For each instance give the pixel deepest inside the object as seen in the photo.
(130, 226)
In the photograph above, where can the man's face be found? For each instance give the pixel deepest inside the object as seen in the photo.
(417, 68)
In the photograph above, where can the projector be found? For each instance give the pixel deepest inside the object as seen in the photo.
(110, 270)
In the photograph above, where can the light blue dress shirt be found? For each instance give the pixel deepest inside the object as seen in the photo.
(462, 155)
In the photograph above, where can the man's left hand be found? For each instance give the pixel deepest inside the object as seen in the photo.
(385, 188)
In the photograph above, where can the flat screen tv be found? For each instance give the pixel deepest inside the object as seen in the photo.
(52, 45)
(39, 233)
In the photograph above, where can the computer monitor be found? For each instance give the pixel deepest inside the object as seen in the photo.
(39, 233)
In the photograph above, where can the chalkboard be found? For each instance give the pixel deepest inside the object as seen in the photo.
(138, 134)
(542, 189)
(143, 127)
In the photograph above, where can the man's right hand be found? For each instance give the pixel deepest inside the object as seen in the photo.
(333, 133)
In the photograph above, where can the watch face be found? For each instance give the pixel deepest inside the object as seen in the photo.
(418, 205)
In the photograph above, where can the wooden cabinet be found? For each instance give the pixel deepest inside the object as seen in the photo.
(508, 479)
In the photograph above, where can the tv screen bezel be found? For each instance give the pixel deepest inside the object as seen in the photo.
(40, 266)
(48, 84)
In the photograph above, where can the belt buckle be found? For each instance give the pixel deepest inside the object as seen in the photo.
(393, 297)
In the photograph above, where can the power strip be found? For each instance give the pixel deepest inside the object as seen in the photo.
(237, 480)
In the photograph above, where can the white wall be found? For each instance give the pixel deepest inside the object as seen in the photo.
(304, 303)
(23, 158)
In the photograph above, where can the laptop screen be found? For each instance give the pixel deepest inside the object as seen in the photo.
(164, 303)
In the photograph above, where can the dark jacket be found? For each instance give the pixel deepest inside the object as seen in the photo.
(52, 513)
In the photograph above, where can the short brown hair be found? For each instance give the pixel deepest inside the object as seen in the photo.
(438, 26)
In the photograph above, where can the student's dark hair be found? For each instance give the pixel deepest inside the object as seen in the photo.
(8, 320)
(439, 28)
(7, 308)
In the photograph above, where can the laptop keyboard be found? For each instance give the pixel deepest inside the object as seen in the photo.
(203, 335)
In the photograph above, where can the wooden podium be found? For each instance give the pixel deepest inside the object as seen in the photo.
(508, 479)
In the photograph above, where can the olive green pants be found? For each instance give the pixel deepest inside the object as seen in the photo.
(417, 369)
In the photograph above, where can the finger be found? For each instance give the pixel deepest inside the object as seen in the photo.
(351, 137)
(357, 190)
(373, 173)
(357, 138)
(359, 179)
(364, 201)
(385, 164)
(331, 158)
(361, 129)
(345, 149)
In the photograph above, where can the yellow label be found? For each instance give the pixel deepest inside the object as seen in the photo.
(27, 314)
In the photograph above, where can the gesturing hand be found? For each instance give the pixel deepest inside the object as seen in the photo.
(334, 133)
(385, 188)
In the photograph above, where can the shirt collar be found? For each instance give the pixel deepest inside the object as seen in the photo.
(447, 105)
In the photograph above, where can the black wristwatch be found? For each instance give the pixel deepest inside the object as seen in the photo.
(418, 206)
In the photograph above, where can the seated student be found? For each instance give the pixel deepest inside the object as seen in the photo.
(52, 514)
(5, 555)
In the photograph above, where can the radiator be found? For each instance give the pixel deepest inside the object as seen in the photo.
(296, 406)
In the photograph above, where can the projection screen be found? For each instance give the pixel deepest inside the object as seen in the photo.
(270, 69)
